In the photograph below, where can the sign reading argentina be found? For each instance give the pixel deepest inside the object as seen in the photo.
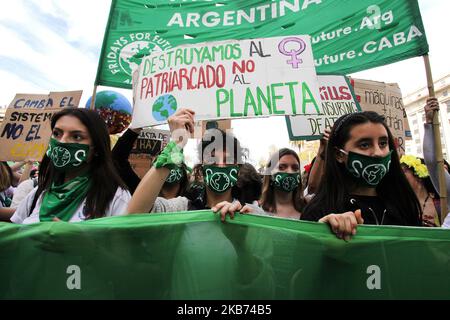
(227, 79)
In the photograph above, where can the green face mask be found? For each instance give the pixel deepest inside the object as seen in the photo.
(175, 176)
(220, 179)
(286, 182)
(67, 156)
(368, 170)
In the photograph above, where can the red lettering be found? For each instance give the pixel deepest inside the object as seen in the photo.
(220, 76)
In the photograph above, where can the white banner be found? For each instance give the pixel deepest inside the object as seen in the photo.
(227, 79)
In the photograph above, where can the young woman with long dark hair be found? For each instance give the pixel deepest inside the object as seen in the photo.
(282, 194)
(77, 178)
(363, 181)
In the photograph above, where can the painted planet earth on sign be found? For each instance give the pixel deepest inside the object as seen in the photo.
(164, 107)
(132, 54)
(114, 108)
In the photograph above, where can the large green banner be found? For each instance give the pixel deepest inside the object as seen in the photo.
(347, 35)
(192, 255)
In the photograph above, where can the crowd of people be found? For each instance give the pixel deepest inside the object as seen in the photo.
(357, 177)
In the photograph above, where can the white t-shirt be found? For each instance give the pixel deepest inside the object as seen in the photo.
(22, 192)
(446, 223)
(118, 206)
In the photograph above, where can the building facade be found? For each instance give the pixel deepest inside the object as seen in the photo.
(414, 105)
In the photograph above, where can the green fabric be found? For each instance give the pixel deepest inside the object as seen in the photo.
(61, 201)
(220, 179)
(286, 182)
(175, 176)
(368, 170)
(67, 156)
(347, 36)
(171, 157)
(192, 255)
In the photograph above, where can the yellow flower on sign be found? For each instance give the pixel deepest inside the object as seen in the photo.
(419, 169)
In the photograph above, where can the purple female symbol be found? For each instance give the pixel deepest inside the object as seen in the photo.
(293, 53)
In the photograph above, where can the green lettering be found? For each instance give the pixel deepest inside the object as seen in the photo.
(238, 53)
(275, 98)
(219, 50)
(292, 95)
(260, 96)
(305, 100)
(206, 55)
(232, 113)
(250, 100)
(222, 96)
(178, 57)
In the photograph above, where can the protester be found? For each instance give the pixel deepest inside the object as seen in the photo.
(6, 177)
(26, 186)
(77, 179)
(430, 155)
(416, 173)
(363, 181)
(120, 152)
(249, 184)
(282, 194)
(176, 183)
(220, 168)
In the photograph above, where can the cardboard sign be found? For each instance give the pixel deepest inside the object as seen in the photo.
(52, 100)
(201, 126)
(147, 146)
(227, 79)
(385, 99)
(25, 130)
(25, 133)
(337, 98)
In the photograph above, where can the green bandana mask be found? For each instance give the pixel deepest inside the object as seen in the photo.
(220, 179)
(368, 170)
(67, 156)
(286, 182)
(175, 176)
(63, 200)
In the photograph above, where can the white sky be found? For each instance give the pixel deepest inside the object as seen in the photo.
(54, 45)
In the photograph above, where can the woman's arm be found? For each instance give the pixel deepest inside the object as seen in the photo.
(428, 148)
(6, 213)
(344, 225)
(148, 189)
(120, 154)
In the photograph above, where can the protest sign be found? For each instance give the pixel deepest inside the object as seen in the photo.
(227, 79)
(25, 133)
(25, 130)
(385, 99)
(52, 100)
(337, 98)
(147, 146)
(201, 126)
(347, 36)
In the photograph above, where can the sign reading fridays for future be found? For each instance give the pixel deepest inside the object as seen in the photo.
(347, 36)
(25, 131)
(337, 98)
(234, 78)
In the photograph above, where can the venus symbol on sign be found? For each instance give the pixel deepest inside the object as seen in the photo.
(294, 61)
